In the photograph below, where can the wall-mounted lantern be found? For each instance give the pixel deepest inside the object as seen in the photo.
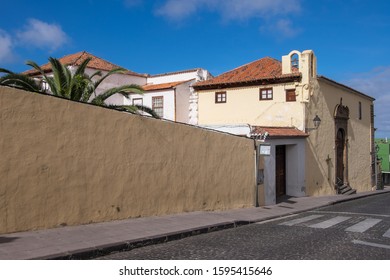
(317, 122)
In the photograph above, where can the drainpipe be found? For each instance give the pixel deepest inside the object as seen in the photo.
(175, 111)
(376, 167)
(256, 162)
(256, 204)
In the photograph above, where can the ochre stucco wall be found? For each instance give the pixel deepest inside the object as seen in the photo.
(320, 155)
(243, 106)
(68, 163)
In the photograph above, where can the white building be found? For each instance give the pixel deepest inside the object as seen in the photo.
(171, 94)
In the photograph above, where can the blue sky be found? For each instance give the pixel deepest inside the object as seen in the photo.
(351, 38)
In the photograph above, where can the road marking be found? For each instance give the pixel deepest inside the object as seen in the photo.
(387, 233)
(349, 213)
(363, 225)
(301, 220)
(330, 222)
(378, 245)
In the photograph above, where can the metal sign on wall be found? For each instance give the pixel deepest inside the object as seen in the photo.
(264, 149)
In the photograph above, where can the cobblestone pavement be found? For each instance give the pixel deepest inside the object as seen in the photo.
(92, 240)
(352, 230)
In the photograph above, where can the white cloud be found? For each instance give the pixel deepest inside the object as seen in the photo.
(228, 9)
(244, 9)
(42, 35)
(282, 28)
(5, 47)
(178, 10)
(376, 83)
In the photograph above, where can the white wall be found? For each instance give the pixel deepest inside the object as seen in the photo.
(116, 80)
(169, 101)
(183, 102)
(198, 74)
(295, 169)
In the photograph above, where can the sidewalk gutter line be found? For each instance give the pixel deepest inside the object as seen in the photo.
(102, 250)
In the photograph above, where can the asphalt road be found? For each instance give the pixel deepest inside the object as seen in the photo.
(357, 229)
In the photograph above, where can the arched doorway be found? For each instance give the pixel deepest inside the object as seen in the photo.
(341, 117)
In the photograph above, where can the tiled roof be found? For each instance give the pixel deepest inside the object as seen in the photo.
(151, 87)
(265, 69)
(77, 58)
(323, 78)
(279, 132)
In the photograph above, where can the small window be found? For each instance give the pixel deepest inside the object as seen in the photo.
(137, 101)
(220, 97)
(158, 105)
(290, 95)
(360, 110)
(266, 94)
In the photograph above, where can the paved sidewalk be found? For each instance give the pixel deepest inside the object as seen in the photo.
(87, 241)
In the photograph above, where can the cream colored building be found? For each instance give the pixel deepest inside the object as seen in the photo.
(281, 100)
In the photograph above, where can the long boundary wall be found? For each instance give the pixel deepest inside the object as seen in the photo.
(69, 163)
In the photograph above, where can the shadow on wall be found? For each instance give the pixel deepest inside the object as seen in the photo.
(318, 170)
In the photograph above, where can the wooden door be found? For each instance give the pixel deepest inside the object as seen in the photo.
(280, 170)
(340, 140)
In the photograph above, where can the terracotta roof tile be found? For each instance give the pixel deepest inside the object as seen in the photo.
(150, 87)
(263, 69)
(77, 58)
(278, 132)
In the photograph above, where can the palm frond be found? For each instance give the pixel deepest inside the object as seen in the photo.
(125, 90)
(136, 109)
(6, 71)
(148, 110)
(81, 69)
(44, 76)
(35, 66)
(20, 81)
(61, 78)
(98, 100)
(109, 73)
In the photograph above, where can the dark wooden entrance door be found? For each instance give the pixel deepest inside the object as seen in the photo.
(340, 140)
(280, 170)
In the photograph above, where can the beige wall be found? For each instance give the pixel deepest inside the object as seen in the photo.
(243, 106)
(320, 156)
(70, 163)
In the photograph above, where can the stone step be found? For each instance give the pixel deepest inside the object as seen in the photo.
(346, 190)
(350, 191)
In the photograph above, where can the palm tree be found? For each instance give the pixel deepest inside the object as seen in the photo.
(18, 81)
(77, 85)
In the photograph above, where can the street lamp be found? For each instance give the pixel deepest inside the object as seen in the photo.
(317, 122)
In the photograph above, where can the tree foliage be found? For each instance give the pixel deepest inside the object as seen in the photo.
(76, 84)
(18, 81)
